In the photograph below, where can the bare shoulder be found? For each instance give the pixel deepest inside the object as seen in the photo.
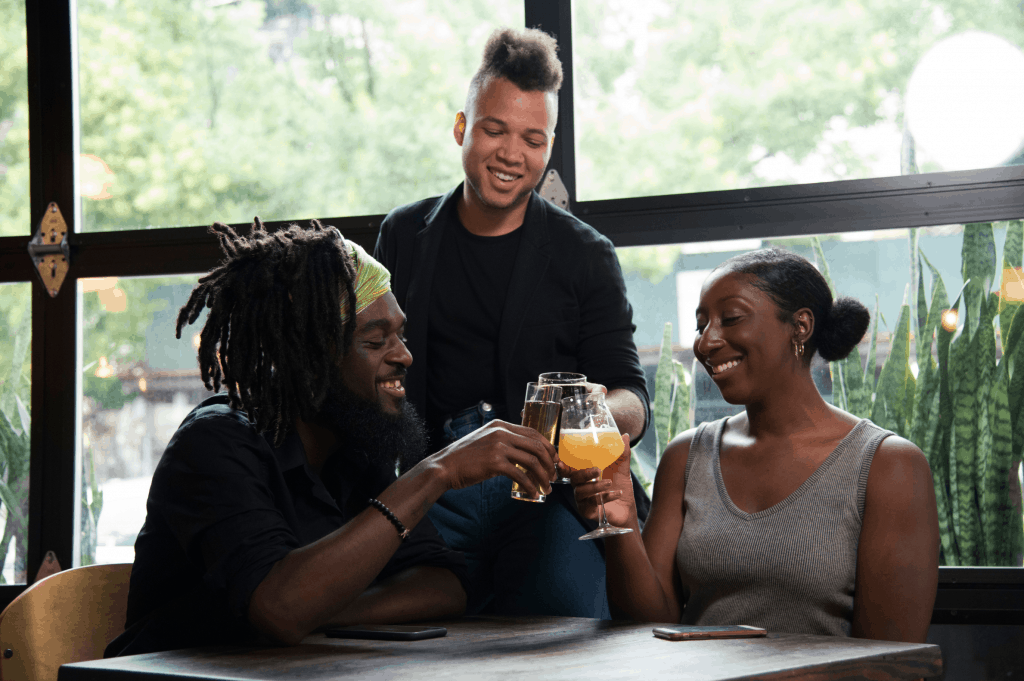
(672, 468)
(678, 449)
(895, 452)
(661, 533)
(897, 468)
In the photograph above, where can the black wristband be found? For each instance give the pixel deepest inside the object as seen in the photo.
(403, 533)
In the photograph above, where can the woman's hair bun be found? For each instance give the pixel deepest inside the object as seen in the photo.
(843, 328)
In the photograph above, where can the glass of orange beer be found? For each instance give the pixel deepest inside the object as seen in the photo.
(589, 438)
(540, 412)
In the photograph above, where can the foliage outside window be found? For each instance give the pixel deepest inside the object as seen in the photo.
(15, 424)
(679, 97)
(14, 211)
(138, 383)
(194, 111)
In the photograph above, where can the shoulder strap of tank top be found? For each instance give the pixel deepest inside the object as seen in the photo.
(873, 437)
(697, 445)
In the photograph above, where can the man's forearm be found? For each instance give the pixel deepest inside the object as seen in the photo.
(313, 583)
(628, 411)
(418, 593)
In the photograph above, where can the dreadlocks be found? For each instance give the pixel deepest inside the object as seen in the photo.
(275, 320)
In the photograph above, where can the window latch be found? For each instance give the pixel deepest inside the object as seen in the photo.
(49, 249)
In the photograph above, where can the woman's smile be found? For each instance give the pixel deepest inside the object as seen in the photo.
(721, 368)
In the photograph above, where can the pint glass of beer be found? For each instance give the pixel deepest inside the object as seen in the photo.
(540, 412)
(572, 384)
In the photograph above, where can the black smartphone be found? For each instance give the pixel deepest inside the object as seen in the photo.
(694, 633)
(387, 632)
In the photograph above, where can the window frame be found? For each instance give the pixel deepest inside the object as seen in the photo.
(975, 595)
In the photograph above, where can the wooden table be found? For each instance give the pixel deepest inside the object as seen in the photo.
(533, 647)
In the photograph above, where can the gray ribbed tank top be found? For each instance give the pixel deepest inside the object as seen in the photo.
(788, 568)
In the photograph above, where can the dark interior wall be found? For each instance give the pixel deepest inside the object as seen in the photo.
(980, 652)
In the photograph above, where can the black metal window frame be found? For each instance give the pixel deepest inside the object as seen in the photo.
(979, 595)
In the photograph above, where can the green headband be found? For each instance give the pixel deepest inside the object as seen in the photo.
(372, 279)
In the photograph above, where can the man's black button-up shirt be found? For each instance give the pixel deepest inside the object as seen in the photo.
(224, 506)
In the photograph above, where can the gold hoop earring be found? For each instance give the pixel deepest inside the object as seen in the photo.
(798, 348)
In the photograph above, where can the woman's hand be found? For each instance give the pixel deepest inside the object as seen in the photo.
(614, 484)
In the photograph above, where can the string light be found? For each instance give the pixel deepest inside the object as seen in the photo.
(949, 320)
(104, 370)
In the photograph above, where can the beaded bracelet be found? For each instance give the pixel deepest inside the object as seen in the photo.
(403, 533)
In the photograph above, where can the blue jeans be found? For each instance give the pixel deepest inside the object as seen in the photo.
(524, 558)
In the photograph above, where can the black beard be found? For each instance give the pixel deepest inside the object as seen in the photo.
(366, 432)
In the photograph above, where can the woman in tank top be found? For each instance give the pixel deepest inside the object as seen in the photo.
(793, 515)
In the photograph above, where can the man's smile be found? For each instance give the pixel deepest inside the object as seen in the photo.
(503, 176)
(393, 386)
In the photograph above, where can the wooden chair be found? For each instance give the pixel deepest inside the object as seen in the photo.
(66, 617)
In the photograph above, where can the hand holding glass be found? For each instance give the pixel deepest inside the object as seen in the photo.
(589, 438)
(540, 412)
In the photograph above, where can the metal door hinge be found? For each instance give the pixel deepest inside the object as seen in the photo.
(552, 189)
(49, 249)
(49, 566)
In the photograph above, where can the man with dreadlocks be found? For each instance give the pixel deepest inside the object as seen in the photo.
(275, 508)
(500, 286)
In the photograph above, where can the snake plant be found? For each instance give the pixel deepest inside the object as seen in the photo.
(964, 408)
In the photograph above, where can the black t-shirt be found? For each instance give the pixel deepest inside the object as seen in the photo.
(224, 506)
(471, 279)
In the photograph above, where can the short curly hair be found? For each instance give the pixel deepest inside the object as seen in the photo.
(528, 58)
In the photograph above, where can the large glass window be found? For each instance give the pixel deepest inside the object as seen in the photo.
(664, 282)
(138, 383)
(14, 211)
(675, 97)
(15, 428)
(201, 110)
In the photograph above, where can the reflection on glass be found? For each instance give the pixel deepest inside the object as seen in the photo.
(964, 100)
(138, 383)
(15, 422)
(664, 283)
(14, 202)
(676, 97)
(296, 109)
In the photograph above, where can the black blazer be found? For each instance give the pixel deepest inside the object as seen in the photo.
(566, 307)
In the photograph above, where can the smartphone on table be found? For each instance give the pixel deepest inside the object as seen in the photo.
(386, 632)
(684, 632)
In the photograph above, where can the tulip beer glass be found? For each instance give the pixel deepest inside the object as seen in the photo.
(589, 438)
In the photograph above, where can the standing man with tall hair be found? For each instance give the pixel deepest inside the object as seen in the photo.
(500, 286)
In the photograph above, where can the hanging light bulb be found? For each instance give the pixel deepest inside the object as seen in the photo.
(104, 370)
